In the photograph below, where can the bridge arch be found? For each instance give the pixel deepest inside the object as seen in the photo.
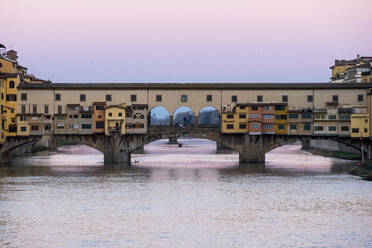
(184, 116)
(209, 115)
(159, 116)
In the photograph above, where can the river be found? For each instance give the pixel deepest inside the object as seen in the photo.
(183, 197)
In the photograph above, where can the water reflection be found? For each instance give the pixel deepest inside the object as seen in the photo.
(183, 199)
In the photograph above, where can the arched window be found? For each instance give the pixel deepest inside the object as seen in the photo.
(11, 84)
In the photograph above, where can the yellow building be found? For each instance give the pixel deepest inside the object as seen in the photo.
(235, 120)
(23, 128)
(280, 126)
(360, 123)
(11, 75)
(115, 119)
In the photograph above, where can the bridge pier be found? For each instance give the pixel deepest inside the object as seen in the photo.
(173, 140)
(116, 150)
(306, 142)
(250, 154)
(221, 148)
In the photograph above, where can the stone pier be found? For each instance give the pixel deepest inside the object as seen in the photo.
(116, 150)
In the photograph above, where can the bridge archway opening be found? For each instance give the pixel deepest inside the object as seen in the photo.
(184, 117)
(209, 116)
(159, 116)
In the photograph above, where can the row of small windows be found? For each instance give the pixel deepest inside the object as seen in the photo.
(209, 98)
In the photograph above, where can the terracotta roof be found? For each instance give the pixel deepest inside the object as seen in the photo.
(99, 103)
(193, 86)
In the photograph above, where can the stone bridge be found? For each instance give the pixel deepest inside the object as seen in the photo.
(118, 148)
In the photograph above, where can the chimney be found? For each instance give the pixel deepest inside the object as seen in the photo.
(12, 55)
(358, 57)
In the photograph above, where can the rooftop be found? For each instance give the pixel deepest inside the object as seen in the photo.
(194, 86)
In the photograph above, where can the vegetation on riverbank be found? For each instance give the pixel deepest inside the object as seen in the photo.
(336, 154)
(363, 169)
(60, 143)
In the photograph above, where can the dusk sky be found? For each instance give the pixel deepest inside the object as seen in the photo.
(185, 41)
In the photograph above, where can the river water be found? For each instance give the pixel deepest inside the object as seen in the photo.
(183, 197)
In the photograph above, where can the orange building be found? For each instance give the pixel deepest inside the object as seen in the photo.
(268, 119)
(254, 118)
(99, 117)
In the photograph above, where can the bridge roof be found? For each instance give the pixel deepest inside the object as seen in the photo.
(193, 86)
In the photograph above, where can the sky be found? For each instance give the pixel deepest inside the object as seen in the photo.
(89, 41)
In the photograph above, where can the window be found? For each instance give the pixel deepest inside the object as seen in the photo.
(366, 120)
(230, 116)
(109, 114)
(234, 98)
(23, 128)
(23, 118)
(133, 98)
(242, 116)
(279, 107)
(74, 126)
(281, 117)
(230, 126)
(46, 109)
(242, 126)
(259, 98)
(34, 109)
(255, 126)
(100, 107)
(310, 98)
(318, 128)
(159, 98)
(307, 127)
(183, 98)
(344, 128)
(100, 124)
(209, 98)
(86, 126)
(86, 116)
(335, 98)
(59, 109)
(281, 126)
(360, 98)
(47, 127)
(120, 114)
(60, 126)
(24, 96)
(60, 118)
(11, 85)
(355, 130)
(306, 116)
(58, 97)
(332, 128)
(23, 109)
(293, 116)
(76, 116)
(366, 130)
(254, 108)
(2, 95)
(293, 126)
(108, 98)
(345, 117)
(34, 128)
(82, 98)
(242, 107)
(332, 117)
(13, 128)
(268, 107)
(11, 97)
(268, 116)
(284, 98)
(268, 126)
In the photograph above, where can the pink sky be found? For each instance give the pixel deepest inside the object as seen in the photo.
(185, 41)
